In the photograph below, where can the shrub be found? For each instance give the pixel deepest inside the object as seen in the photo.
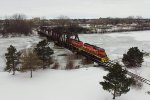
(86, 61)
(133, 58)
(78, 56)
(77, 67)
(70, 62)
(56, 65)
(148, 92)
(137, 84)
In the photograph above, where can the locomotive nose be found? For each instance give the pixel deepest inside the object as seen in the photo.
(105, 59)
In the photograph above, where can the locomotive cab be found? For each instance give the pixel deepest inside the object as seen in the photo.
(102, 53)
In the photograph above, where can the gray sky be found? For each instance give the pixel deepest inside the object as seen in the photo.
(76, 8)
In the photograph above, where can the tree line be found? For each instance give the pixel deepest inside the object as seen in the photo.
(16, 25)
(19, 24)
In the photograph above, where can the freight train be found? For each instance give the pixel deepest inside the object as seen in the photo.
(97, 52)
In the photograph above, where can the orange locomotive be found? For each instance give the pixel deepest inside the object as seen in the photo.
(91, 49)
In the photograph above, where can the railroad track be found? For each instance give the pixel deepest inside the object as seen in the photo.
(133, 75)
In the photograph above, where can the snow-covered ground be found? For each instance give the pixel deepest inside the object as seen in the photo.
(78, 84)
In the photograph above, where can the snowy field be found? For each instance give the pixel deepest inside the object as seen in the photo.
(79, 84)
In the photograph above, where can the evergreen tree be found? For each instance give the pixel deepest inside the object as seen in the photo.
(30, 61)
(133, 58)
(116, 81)
(12, 59)
(44, 52)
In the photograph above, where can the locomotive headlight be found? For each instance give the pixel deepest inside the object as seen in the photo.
(105, 59)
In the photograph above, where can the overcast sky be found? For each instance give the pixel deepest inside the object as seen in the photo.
(76, 8)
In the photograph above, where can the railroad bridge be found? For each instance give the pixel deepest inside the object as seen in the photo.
(59, 35)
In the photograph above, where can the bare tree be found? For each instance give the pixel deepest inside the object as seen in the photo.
(30, 61)
(18, 17)
(63, 21)
(70, 62)
(86, 61)
(44, 22)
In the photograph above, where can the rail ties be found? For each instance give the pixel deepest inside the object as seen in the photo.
(109, 63)
(135, 76)
(139, 77)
